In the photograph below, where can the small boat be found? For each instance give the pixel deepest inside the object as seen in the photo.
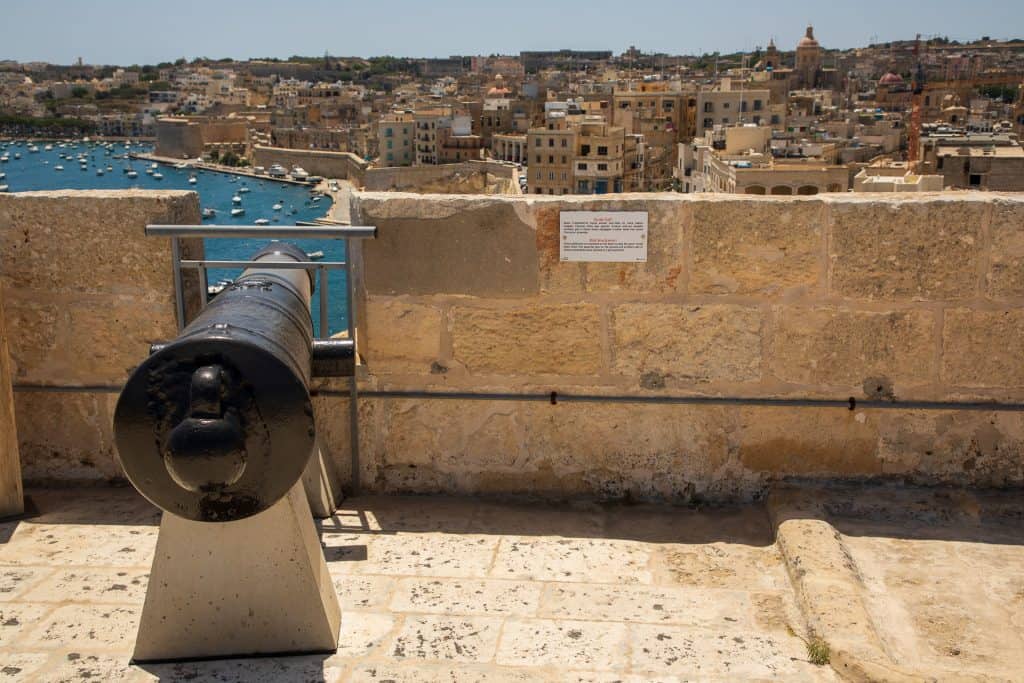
(158, 176)
(236, 199)
(4, 159)
(261, 221)
(32, 149)
(133, 173)
(277, 207)
(243, 189)
(3, 188)
(181, 165)
(209, 213)
(3, 176)
(154, 165)
(149, 171)
(192, 180)
(48, 148)
(316, 255)
(58, 167)
(237, 211)
(99, 171)
(109, 168)
(17, 155)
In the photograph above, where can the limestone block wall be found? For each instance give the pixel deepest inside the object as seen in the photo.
(912, 298)
(85, 293)
(341, 165)
(488, 177)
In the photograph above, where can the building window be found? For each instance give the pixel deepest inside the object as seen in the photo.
(564, 142)
(602, 167)
(551, 142)
(538, 142)
(585, 150)
(757, 120)
(709, 107)
(565, 176)
(581, 167)
(602, 151)
(538, 158)
(709, 123)
(975, 180)
(725, 105)
(757, 105)
(775, 119)
(551, 175)
(388, 133)
(551, 159)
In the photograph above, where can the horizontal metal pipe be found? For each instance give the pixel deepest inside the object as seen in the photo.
(849, 404)
(330, 232)
(285, 265)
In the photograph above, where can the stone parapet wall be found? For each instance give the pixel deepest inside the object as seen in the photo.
(340, 165)
(85, 294)
(476, 177)
(829, 297)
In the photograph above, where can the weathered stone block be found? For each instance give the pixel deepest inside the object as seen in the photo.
(91, 241)
(400, 335)
(447, 245)
(35, 326)
(528, 340)
(1006, 260)
(787, 441)
(66, 436)
(604, 450)
(905, 249)
(688, 342)
(983, 348)
(954, 448)
(827, 345)
(747, 246)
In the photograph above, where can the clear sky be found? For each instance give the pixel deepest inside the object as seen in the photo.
(149, 31)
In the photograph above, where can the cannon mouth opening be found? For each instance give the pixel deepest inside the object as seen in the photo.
(214, 429)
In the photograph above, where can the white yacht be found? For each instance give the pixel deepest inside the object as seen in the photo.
(236, 199)
(261, 221)
(243, 189)
(192, 180)
(99, 171)
(277, 207)
(237, 211)
(58, 167)
(300, 174)
(158, 176)
(132, 173)
(209, 213)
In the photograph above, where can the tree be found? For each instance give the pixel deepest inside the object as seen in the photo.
(79, 92)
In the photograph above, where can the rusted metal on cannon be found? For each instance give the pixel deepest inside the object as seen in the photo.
(217, 425)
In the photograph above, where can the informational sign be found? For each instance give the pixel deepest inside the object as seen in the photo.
(607, 236)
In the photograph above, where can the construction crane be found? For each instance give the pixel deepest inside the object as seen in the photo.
(917, 91)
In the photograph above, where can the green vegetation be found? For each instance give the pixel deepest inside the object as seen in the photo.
(818, 651)
(50, 125)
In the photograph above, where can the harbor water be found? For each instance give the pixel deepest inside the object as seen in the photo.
(39, 170)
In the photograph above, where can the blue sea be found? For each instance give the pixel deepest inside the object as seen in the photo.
(37, 171)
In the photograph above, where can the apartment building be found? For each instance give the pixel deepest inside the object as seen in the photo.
(579, 154)
(396, 135)
(727, 106)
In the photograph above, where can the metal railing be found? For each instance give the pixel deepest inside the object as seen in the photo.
(345, 233)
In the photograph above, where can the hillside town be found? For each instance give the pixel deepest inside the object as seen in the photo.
(916, 115)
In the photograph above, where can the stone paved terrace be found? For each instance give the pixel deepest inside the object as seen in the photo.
(902, 584)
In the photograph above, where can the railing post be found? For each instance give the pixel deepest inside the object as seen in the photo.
(179, 296)
(353, 397)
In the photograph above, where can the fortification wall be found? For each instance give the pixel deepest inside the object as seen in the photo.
(85, 293)
(341, 165)
(468, 177)
(178, 139)
(916, 298)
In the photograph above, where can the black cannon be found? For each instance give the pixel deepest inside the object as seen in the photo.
(217, 425)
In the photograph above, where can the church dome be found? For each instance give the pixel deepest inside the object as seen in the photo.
(890, 79)
(808, 40)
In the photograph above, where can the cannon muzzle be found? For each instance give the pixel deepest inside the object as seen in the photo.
(217, 425)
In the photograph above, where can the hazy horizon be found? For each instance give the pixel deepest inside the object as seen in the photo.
(118, 31)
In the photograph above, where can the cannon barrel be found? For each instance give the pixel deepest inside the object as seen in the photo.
(217, 425)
